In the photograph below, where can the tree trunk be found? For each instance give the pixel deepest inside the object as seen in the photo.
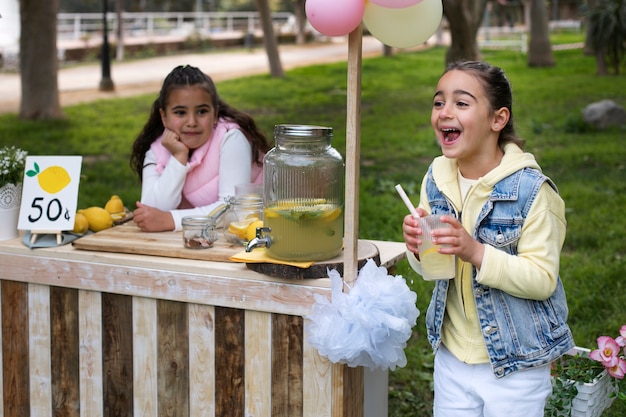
(38, 60)
(601, 67)
(587, 48)
(464, 18)
(300, 15)
(119, 30)
(269, 39)
(539, 48)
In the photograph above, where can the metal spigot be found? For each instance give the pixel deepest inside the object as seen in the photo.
(261, 240)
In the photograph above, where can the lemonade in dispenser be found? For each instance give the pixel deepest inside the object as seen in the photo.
(303, 196)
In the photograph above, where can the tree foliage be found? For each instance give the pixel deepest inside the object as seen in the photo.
(607, 32)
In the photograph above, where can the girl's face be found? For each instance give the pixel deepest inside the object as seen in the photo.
(189, 112)
(466, 128)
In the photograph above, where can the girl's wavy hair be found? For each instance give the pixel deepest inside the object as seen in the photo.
(187, 76)
(497, 90)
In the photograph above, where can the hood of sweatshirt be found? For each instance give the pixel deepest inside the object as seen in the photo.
(445, 172)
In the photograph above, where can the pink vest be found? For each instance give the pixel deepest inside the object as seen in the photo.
(201, 184)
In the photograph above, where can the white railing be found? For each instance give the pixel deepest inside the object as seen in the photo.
(514, 38)
(79, 26)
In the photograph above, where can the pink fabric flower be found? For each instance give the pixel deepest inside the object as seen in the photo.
(607, 352)
(619, 370)
(621, 339)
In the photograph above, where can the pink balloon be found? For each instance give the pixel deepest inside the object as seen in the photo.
(395, 4)
(333, 17)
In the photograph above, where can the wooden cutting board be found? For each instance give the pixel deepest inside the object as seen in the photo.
(128, 238)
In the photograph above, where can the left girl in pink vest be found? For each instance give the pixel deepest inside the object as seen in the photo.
(192, 151)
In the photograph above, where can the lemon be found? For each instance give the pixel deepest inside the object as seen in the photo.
(330, 215)
(240, 228)
(81, 225)
(114, 205)
(52, 179)
(251, 229)
(98, 218)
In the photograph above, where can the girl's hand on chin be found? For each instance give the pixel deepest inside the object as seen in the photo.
(171, 142)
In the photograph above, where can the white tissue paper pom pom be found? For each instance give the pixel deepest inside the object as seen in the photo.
(367, 326)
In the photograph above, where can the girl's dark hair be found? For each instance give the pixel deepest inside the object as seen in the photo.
(497, 90)
(186, 76)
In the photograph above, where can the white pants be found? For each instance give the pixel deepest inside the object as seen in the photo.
(463, 390)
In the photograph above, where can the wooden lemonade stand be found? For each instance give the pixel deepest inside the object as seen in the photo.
(102, 333)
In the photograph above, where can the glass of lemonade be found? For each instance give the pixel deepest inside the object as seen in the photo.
(435, 265)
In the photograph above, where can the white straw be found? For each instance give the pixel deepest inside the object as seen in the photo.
(406, 200)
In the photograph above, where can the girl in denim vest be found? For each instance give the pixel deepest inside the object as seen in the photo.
(192, 151)
(499, 323)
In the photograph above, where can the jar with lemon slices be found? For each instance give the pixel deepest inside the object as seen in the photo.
(303, 194)
(244, 215)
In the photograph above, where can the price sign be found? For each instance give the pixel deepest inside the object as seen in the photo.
(50, 193)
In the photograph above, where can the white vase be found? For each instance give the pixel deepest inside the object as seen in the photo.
(10, 197)
(593, 397)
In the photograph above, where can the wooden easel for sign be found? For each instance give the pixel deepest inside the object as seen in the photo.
(34, 235)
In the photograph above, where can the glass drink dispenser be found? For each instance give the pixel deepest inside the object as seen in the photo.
(303, 195)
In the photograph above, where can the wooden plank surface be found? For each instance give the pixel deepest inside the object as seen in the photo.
(39, 350)
(117, 350)
(287, 360)
(128, 238)
(201, 360)
(258, 364)
(173, 358)
(229, 362)
(64, 351)
(144, 356)
(90, 333)
(15, 349)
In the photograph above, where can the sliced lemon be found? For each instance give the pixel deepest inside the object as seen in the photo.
(251, 229)
(330, 215)
(240, 228)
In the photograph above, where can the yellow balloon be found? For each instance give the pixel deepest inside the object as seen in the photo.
(405, 27)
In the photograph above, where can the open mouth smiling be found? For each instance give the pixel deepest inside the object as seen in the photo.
(450, 134)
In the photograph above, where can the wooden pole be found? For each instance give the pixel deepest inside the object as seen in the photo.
(353, 156)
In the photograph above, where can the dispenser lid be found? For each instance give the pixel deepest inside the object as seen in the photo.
(309, 131)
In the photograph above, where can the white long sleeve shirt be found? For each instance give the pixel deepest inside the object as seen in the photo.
(164, 190)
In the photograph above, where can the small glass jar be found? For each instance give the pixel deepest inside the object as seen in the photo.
(244, 215)
(199, 232)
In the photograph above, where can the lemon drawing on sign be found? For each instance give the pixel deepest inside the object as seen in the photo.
(52, 179)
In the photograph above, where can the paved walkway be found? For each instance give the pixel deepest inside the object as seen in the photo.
(80, 83)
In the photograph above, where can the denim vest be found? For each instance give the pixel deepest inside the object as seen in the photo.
(519, 333)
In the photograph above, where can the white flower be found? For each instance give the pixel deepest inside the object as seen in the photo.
(12, 162)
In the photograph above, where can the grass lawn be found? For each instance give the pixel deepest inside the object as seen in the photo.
(397, 144)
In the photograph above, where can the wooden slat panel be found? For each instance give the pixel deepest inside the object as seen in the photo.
(64, 352)
(147, 280)
(145, 357)
(348, 389)
(173, 359)
(258, 364)
(39, 341)
(229, 362)
(316, 383)
(287, 362)
(15, 349)
(201, 360)
(117, 350)
(90, 333)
